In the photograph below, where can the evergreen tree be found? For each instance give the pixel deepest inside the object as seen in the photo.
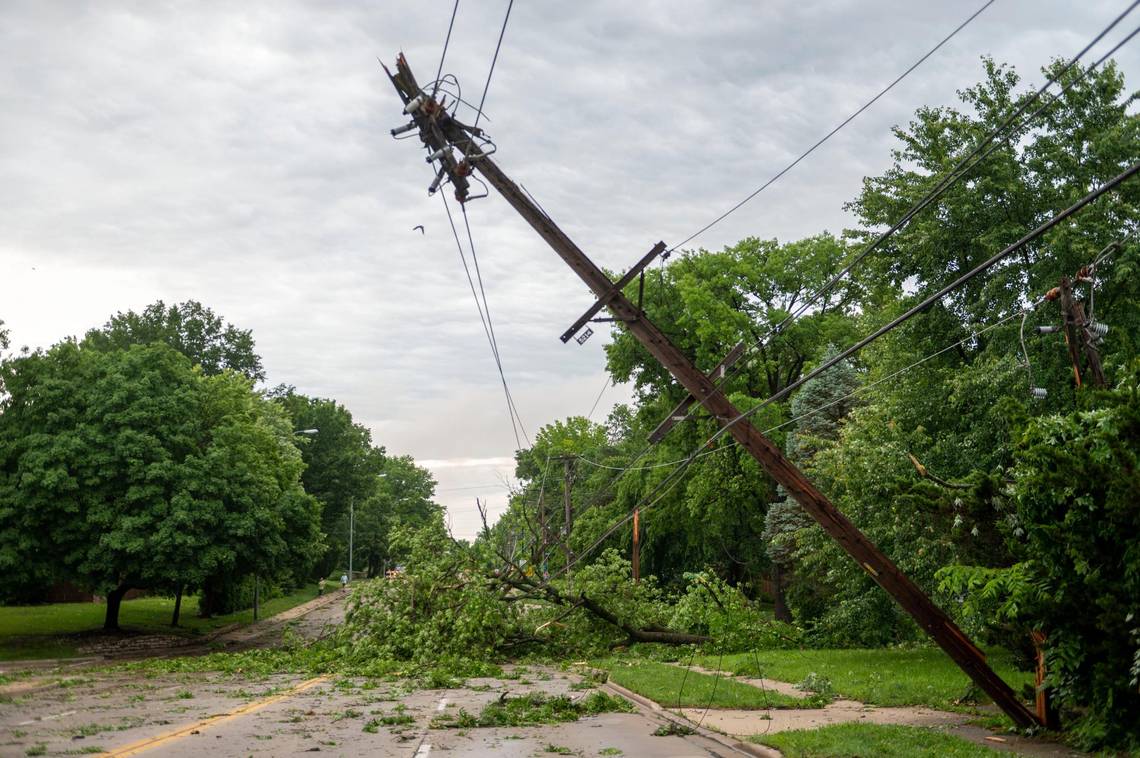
(818, 409)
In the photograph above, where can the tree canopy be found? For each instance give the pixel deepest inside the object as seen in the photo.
(190, 328)
(132, 469)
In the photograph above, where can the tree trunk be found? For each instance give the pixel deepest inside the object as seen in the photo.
(114, 602)
(177, 607)
(780, 606)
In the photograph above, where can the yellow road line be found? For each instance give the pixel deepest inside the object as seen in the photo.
(152, 742)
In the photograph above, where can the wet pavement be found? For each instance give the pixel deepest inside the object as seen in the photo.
(232, 715)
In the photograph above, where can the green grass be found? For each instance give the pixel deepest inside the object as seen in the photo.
(924, 676)
(43, 631)
(670, 687)
(879, 740)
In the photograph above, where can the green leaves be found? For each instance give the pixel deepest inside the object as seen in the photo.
(130, 468)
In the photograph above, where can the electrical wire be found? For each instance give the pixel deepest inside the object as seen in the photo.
(953, 176)
(494, 59)
(978, 153)
(598, 399)
(667, 484)
(830, 134)
(712, 694)
(487, 311)
(486, 328)
(622, 471)
(858, 391)
(446, 42)
(981, 268)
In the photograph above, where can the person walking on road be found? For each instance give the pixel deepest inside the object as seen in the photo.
(343, 580)
(320, 587)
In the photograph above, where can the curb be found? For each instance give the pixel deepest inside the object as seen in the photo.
(762, 751)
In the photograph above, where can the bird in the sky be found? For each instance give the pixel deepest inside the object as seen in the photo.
(420, 227)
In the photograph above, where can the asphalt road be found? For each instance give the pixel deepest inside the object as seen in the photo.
(189, 714)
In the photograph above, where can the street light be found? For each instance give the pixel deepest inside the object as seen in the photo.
(307, 432)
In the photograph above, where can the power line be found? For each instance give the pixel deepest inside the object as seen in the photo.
(487, 311)
(977, 154)
(954, 175)
(830, 134)
(859, 390)
(489, 486)
(598, 399)
(446, 42)
(1108, 186)
(486, 328)
(682, 464)
(487, 86)
(670, 481)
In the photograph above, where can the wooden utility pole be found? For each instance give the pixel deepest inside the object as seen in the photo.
(636, 557)
(440, 132)
(1078, 336)
(567, 505)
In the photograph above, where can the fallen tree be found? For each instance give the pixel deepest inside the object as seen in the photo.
(476, 602)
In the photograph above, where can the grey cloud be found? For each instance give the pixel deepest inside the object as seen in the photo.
(237, 153)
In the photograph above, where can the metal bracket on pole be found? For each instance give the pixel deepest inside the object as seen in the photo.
(680, 413)
(618, 286)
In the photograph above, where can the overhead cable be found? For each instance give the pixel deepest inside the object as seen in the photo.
(830, 134)
(446, 42)
(494, 59)
(978, 153)
(511, 409)
(1108, 186)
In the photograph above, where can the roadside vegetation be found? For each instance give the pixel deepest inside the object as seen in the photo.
(880, 740)
(677, 687)
(878, 676)
(57, 630)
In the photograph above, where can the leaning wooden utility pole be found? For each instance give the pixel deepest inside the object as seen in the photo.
(442, 134)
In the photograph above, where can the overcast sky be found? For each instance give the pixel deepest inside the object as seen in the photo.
(238, 153)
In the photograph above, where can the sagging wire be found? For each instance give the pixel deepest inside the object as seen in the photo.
(511, 409)
(666, 485)
(494, 60)
(980, 152)
(487, 311)
(446, 41)
(712, 694)
(830, 134)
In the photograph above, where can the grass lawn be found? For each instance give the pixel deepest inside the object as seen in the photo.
(670, 687)
(924, 676)
(45, 631)
(882, 741)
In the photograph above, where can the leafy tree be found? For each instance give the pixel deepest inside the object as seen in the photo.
(190, 328)
(132, 470)
(1085, 137)
(402, 500)
(1072, 522)
(341, 465)
(708, 301)
(819, 407)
